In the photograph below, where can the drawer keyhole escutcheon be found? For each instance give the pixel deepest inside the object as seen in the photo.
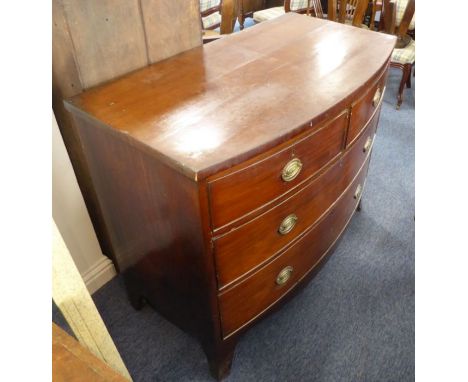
(357, 194)
(377, 95)
(287, 224)
(284, 275)
(367, 145)
(291, 170)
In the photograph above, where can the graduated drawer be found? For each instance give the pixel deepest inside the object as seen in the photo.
(241, 250)
(247, 300)
(249, 187)
(363, 109)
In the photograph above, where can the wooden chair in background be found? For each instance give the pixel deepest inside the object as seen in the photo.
(348, 11)
(398, 18)
(217, 17)
(316, 9)
(344, 11)
(376, 6)
(298, 6)
(247, 8)
(400, 9)
(210, 11)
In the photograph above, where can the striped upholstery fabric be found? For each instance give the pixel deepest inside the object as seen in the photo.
(268, 14)
(400, 11)
(298, 4)
(406, 55)
(210, 20)
(207, 4)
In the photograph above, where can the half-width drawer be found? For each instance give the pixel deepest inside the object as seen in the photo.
(253, 296)
(248, 246)
(249, 187)
(365, 107)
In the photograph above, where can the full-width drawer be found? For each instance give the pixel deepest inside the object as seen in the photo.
(248, 188)
(244, 248)
(245, 301)
(365, 107)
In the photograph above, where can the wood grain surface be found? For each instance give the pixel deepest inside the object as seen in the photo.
(244, 302)
(196, 110)
(171, 27)
(108, 38)
(363, 109)
(186, 157)
(71, 362)
(248, 246)
(245, 189)
(97, 41)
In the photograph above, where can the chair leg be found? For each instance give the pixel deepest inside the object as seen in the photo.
(404, 79)
(408, 81)
(241, 21)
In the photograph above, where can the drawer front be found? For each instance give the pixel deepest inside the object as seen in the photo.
(253, 243)
(247, 189)
(247, 300)
(365, 107)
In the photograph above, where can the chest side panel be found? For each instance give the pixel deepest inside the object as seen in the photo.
(155, 223)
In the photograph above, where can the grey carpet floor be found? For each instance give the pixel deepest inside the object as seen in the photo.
(353, 322)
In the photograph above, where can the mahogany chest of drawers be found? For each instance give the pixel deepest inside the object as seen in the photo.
(226, 174)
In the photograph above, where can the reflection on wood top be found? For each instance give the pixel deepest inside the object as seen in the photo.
(214, 106)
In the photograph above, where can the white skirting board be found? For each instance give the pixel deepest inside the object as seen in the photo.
(99, 274)
(72, 219)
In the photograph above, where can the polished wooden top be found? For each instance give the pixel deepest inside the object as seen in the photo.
(214, 106)
(72, 362)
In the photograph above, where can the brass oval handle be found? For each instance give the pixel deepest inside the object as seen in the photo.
(377, 95)
(358, 191)
(287, 224)
(284, 275)
(291, 170)
(367, 145)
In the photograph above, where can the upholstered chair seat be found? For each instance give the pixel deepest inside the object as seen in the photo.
(405, 55)
(268, 14)
(272, 13)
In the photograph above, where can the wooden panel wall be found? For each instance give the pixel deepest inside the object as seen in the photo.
(108, 38)
(167, 39)
(96, 41)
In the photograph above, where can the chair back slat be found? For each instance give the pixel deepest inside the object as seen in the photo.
(332, 10)
(407, 17)
(298, 6)
(316, 6)
(351, 9)
(359, 12)
(343, 4)
(348, 11)
(388, 16)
